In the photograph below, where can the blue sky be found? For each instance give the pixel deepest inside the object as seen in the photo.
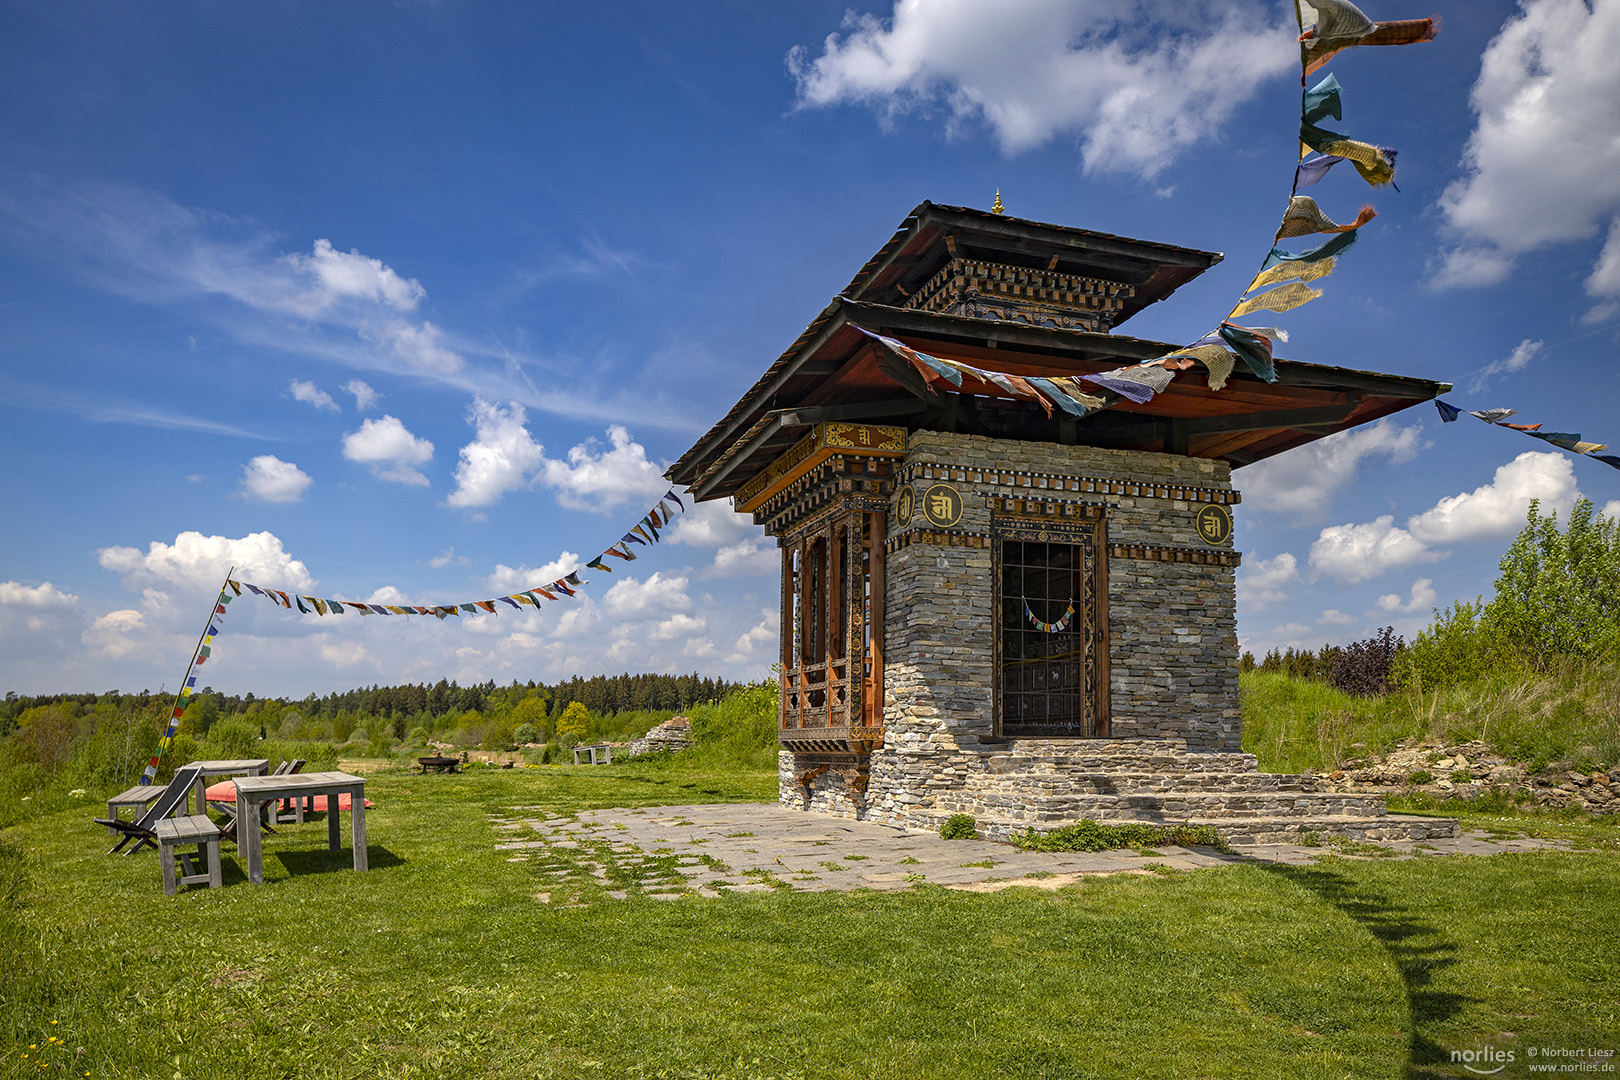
(413, 302)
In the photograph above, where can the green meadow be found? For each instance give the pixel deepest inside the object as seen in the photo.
(442, 961)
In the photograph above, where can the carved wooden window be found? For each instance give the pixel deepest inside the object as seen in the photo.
(1051, 630)
(831, 648)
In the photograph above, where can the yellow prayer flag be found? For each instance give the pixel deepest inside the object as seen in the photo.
(1282, 298)
(1293, 268)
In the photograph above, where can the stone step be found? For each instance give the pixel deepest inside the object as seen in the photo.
(1169, 808)
(1246, 832)
(1242, 832)
(1143, 758)
(1135, 782)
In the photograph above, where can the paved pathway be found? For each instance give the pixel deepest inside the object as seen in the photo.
(744, 847)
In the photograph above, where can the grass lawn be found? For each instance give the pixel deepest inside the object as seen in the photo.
(441, 962)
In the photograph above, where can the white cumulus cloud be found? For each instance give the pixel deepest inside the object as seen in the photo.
(344, 654)
(593, 478)
(506, 580)
(1420, 598)
(502, 457)
(1335, 617)
(1302, 481)
(269, 479)
(200, 561)
(390, 449)
(747, 558)
(678, 627)
(1260, 582)
(117, 633)
(712, 524)
(1542, 166)
(1352, 553)
(350, 274)
(1498, 508)
(310, 394)
(759, 643)
(43, 595)
(364, 396)
(1136, 81)
(658, 597)
(419, 346)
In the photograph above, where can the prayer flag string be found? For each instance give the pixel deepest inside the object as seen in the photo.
(644, 532)
(1564, 440)
(1050, 627)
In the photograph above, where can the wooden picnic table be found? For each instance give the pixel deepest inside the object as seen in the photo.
(224, 767)
(252, 792)
(438, 763)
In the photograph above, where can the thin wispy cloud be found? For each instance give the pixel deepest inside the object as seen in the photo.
(22, 395)
(346, 308)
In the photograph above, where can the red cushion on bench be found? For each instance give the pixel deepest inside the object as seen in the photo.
(225, 792)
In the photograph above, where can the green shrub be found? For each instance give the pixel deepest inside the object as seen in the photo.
(232, 738)
(1363, 667)
(739, 730)
(525, 733)
(959, 827)
(1087, 835)
(1421, 776)
(1556, 608)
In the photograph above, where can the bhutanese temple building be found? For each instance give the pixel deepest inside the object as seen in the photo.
(1008, 590)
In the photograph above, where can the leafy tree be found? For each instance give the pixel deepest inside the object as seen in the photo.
(498, 734)
(1557, 603)
(202, 712)
(574, 721)
(1559, 594)
(530, 713)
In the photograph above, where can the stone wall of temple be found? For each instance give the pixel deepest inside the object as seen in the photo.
(1172, 642)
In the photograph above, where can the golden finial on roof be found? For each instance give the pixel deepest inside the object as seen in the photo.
(996, 207)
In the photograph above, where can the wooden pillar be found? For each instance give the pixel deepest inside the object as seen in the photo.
(806, 625)
(785, 645)
(830, 582)
(880, 532)
(852, 618)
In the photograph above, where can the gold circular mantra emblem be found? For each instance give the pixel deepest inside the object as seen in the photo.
(942, 505)
(904, 508)
(1214, 524)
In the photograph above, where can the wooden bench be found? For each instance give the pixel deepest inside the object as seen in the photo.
(140, 796)
(196, 829)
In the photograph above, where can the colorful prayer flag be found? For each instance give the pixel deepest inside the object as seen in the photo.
(1255, 349)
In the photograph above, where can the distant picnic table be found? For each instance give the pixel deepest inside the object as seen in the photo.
(438, 763)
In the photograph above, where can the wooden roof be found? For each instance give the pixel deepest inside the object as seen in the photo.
(835, 372)
(919, 248)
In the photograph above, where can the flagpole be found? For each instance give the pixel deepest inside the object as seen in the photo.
(150, 772)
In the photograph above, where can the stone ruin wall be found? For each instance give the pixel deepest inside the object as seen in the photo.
(1172, 628)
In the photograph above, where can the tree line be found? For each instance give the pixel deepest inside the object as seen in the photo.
(602, 695)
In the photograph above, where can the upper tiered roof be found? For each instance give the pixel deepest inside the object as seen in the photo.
(1025, 298)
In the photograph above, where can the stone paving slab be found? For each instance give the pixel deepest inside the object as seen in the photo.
(812, 852)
